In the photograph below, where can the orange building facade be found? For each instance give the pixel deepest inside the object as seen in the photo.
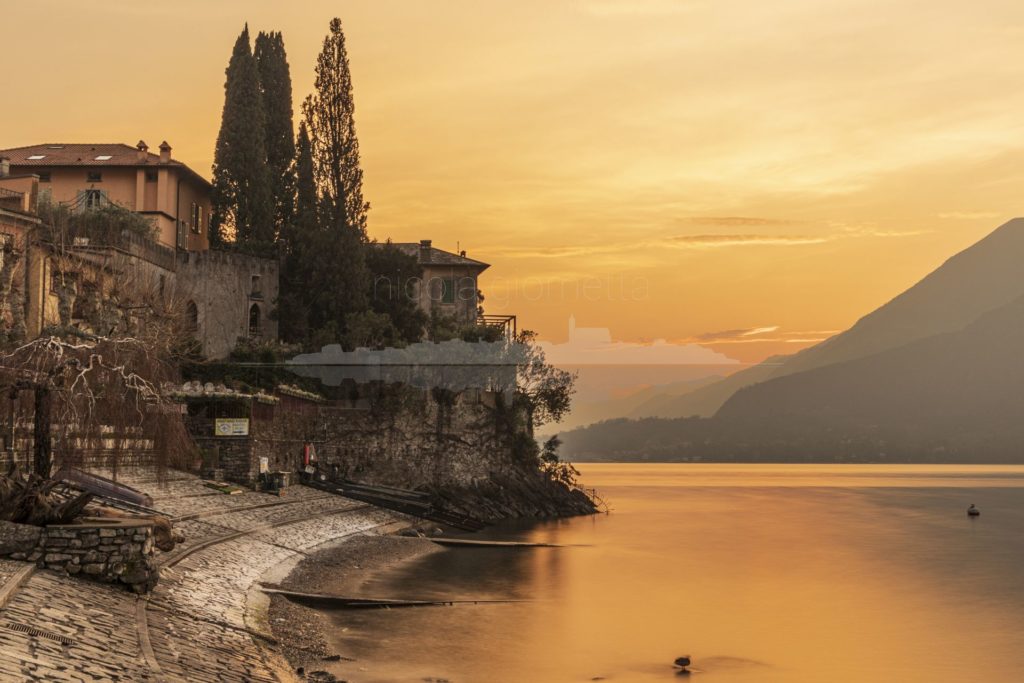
(175, 198)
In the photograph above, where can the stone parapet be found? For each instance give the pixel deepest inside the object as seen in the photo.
(110, 552)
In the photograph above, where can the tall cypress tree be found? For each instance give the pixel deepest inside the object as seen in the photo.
(299, 288)
(276, 85)
(243, 205)
(338, 274)
(329, 114)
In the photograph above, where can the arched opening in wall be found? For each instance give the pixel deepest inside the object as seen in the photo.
(192, 317)
(254, 321)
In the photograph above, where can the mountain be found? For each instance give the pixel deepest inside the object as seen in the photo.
(981, 278)
(703, 401)
(965, 383)
(934, 375)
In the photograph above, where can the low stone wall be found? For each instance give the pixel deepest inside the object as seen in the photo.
(114, 552)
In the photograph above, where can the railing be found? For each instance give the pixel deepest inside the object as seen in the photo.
(132, 245)
(507, 323)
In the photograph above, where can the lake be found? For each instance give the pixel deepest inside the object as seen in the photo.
(762, 573)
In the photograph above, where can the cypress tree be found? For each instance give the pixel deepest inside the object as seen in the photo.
(242, 199)
(276, 86)
(298, 286)
(329, 114)
(338, 277)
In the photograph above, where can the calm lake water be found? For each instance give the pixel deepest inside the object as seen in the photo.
(768, 573)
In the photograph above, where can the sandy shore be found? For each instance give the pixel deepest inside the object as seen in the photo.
(342, 569)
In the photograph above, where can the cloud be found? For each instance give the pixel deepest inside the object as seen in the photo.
(699, 241)
(745, 239)
(968, 215)
(756, 335)
(733, 221)
(559, 251)
(734, 334)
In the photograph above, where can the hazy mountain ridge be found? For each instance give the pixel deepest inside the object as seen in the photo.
(932, 374)
(980, 278)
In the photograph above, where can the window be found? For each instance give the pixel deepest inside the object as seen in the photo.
(256, 291)
(91, 199)
(196, 220)
(192, 317)
(150, 176)
(448, 291)
(44, 176)
(104, 157)
(93, 177)
(37, 157)
(254, 321)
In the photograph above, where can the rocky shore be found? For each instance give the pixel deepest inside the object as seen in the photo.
(531, 495)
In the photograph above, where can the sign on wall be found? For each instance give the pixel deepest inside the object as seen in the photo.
(231, 426)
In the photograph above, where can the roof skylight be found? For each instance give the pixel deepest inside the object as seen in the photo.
(37, 157)
(104, 157)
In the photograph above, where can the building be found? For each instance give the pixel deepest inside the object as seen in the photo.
(172, 195)
(227, 296)
(449, 284)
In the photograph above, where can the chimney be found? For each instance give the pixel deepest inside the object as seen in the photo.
(165, 152)
(5, 167)
(143, 154)
(424, 251)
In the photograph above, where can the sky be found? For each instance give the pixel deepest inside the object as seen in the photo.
(751, 177)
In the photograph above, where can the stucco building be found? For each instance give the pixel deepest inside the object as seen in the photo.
(227, 296)
(449, 284)
(175, 198)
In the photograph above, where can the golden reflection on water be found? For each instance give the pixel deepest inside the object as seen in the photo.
(762, 573)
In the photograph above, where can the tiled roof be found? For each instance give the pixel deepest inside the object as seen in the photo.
(436, 257)
(86, 154)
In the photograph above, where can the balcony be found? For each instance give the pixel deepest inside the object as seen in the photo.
(507, 324)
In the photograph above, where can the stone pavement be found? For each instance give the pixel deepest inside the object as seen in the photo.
(201, 623)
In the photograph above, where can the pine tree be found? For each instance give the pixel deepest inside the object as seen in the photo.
(329, 114)
(276, 86)
(243, 205)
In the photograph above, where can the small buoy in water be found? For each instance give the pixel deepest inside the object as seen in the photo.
(683, 662)
(973, 511)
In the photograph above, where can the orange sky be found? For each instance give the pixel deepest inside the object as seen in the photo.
(751, 175)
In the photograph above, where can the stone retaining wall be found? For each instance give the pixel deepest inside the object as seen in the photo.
(119, 552)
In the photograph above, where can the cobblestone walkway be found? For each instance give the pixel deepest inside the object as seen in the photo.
(197, 625)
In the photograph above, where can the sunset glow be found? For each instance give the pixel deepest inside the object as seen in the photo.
(751, 177)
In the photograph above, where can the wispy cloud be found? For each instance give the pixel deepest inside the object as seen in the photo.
(735, 221)
(698, 241)
(968, 215)
(711, 240)
(762, 335)
(734, 334)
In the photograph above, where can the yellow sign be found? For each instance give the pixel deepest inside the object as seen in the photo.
(231, 426)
